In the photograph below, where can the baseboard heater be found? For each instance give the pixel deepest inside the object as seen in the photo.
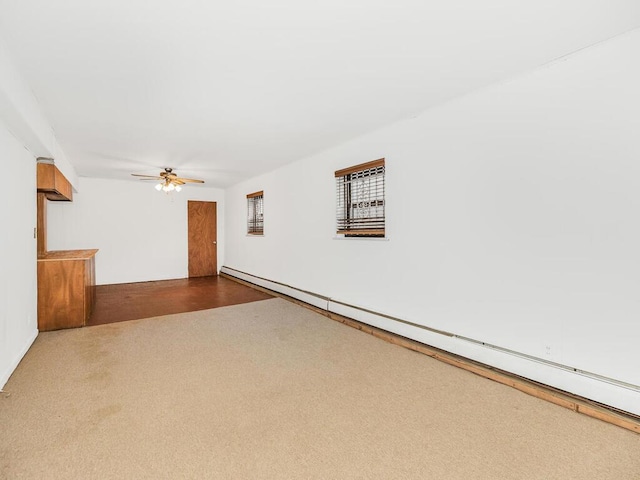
(610, 392)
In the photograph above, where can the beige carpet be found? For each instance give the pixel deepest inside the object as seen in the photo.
(270, 390)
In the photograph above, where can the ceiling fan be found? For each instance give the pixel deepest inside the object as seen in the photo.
(169, 181)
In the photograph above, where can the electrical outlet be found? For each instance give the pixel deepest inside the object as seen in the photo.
(35, 232)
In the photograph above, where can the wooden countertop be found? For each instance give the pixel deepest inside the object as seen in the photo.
(67, 255)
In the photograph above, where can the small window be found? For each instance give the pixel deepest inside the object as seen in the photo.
(255, 213)
(360, 200)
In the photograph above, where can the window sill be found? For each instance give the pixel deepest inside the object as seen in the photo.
(370, 239)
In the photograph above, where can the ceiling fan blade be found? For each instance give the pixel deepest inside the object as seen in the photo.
(177, 181)
(147, 177)
(189, 180)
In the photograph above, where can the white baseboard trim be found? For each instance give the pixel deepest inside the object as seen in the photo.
(4, 378)
(607, 391)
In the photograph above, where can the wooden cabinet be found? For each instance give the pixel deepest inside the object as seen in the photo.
(66, 278)
(66, 288)
(53, 184)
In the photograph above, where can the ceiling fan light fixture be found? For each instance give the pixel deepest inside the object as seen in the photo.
(159, 187)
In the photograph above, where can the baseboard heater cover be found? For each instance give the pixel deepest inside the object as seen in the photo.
(311, 298)
(619, 395)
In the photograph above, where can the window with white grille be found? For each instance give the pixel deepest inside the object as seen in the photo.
(360, 201)
(255, 213)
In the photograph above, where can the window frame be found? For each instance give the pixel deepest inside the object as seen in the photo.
(369, 179)
(255, 214)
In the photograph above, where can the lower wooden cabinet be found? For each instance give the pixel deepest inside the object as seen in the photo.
(66, 288)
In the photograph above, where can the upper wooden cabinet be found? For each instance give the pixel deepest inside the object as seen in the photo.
(53, 184)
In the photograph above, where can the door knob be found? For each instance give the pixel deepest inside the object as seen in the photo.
(215, 243)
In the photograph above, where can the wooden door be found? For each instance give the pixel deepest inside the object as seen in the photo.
(203, 248)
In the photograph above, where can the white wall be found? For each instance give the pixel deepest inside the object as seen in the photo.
(18, 294)
(24, 119)
(141, 233)
(24, 135)
(512, 220)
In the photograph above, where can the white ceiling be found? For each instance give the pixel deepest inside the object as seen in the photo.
(226, 90)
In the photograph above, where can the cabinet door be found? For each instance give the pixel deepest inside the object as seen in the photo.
(61, 286)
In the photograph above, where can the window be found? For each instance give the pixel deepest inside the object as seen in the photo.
(360, 200)
(255, 213)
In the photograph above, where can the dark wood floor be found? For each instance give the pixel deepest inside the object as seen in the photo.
(132, 301)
